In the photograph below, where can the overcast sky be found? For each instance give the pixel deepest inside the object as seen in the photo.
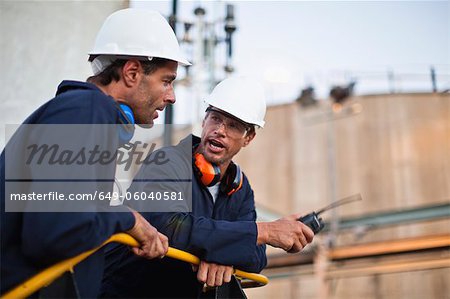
(291, 44)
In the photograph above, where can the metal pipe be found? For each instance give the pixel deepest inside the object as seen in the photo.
(168, 114)
(433, 79)
(424, 213)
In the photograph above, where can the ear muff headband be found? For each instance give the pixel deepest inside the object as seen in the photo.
(126, 120)
(233, 179)
(126, 115)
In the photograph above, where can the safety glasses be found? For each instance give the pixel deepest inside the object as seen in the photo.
(232, 126)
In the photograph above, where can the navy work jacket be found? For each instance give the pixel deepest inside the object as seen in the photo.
(32, 241)
(222, 232)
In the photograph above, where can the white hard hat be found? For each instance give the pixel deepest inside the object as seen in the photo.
(138, 32)
(242, 97)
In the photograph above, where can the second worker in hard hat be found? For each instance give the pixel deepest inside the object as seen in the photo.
(221, 228)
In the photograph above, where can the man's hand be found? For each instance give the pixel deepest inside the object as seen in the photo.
(153, 243)
(286, 233)
(213, 275)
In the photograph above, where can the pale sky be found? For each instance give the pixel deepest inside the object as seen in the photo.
(290, 44)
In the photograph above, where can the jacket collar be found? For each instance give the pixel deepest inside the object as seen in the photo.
(67, 85)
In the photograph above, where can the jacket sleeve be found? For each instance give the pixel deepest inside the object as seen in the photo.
(219, 241)
(247, 212)
(51, 236)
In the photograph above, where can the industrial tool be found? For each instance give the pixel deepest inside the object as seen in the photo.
(315, 222)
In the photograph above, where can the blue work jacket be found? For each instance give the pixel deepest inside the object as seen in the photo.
(222, 232)
(32, 241)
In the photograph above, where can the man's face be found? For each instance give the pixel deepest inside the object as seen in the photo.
(222, 137)
(154, 93)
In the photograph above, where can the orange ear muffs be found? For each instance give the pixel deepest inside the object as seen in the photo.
(208, 173)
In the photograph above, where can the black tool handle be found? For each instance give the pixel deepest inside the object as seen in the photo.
(313, 221)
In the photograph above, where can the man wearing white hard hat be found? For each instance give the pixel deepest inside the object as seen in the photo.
(221, 229)
(134, 61)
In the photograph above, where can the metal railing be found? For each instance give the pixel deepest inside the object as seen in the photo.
(50, 274)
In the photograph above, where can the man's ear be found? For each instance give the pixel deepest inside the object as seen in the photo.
(249, 137)
(131, 72)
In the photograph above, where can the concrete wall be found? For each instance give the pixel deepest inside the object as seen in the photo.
(41, 44)
(393, 149)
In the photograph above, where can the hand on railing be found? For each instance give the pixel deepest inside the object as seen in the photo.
(152, 243)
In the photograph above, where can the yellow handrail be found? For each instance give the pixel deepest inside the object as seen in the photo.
(47, 276)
